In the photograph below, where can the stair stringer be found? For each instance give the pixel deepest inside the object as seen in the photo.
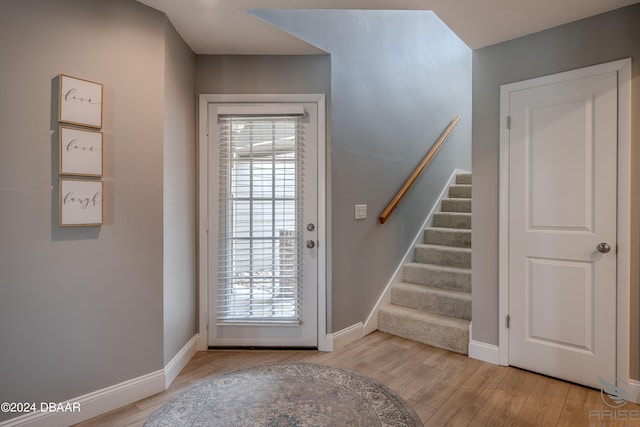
(371, 323)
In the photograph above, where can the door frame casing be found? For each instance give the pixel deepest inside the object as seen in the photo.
(623, 263)
(203, 204)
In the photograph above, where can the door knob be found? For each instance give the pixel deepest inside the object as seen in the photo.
(310, 244)
(604, 247)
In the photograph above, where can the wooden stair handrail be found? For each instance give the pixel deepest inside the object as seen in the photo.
(416, 173)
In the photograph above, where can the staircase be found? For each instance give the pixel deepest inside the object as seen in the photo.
(432, 304)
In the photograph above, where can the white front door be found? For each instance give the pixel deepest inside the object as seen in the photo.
(562, 226)
(263, 216)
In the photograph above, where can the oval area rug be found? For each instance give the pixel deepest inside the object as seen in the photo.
(291, 395)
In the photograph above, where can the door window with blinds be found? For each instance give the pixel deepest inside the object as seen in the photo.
(262, 208)
(261, 174)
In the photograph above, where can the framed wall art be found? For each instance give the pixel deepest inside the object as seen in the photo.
(80, 202)
(80, 152)
(79, 101)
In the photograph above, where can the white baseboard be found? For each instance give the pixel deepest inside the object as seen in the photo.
(180, 360)
(325, 342)
(486, 352)
(343, 337)
(107, 399)
(371, 323)
(634, 389)
(94, 404)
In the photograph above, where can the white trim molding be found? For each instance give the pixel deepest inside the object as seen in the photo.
(107, 399)
(485, 352)
(482, 351)
(623, 68)
(94, 404)
(634, 389)
(180, 360)
(344, 336)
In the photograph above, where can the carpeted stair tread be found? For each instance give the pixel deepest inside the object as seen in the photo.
(452, 278)
(433, 300)
(460, 191)
(443, 255)
(460, 220)
(463, 178)
(439, 331)
(455, 205)
(447, 237)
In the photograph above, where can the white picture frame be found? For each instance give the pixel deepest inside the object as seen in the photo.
(80, 152)
(80, 202)
(79, 101)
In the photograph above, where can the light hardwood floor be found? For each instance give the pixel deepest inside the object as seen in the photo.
(444, 388)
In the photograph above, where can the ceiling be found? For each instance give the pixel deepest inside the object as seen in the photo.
(225, 26)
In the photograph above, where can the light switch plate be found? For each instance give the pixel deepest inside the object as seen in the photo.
(361, 211)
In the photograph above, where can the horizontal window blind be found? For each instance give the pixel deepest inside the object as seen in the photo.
(260, 202)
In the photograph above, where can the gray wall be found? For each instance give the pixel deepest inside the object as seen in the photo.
(607, 37)
(180, 229)
(397, 79)
(81, 308)
(263, 74)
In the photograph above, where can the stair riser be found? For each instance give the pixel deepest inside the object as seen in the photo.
(455, 281)
(443, 256)
(459, 239)
(460, 191)
(452, 220)
(432, 302)
(438, 336)
(456, 205)
(463, 178)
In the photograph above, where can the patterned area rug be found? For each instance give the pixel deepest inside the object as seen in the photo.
(293, 394)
